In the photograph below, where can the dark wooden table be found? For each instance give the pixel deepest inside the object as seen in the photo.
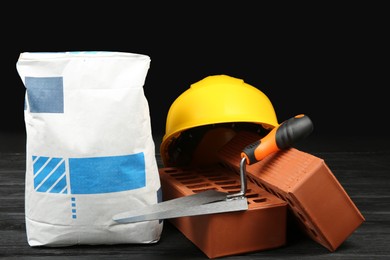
(361, 165)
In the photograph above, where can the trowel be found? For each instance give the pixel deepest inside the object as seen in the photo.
(284, 136)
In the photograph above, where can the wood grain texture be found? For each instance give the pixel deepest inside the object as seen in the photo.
(363, 171)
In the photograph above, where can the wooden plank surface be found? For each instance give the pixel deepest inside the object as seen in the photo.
(363, 170)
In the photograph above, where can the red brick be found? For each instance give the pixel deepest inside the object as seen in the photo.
(322, 207)
(262, 226)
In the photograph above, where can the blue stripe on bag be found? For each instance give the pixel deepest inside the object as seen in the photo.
(107, 174)
(49, 174)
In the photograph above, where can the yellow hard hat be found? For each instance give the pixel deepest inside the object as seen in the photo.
(215, 100)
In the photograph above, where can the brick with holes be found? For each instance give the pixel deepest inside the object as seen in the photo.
(317, 200)
(262, 226)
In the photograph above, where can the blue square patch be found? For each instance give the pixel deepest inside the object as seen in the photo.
(45, 94)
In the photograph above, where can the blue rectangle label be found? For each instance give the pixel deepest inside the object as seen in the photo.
(45, 94)
(107, 174)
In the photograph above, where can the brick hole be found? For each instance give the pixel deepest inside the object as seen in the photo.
(221, 178)
(279, 195)
(228, 182)
(180, 173)
(185, 177)
(200, 185)
(313, 232)
(202, 190)
(260, 200)
(231, 187)
(300, 216)
(191, 181)
(274, 192)
(253, 195)
(251, 179)
(282, 196)
(212, 176)
(266, 188)
(259, 184)
(232, 191)
(290, 202)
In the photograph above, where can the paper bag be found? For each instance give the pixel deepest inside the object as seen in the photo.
(90, 153)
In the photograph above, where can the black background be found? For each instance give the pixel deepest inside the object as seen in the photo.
(327, 61)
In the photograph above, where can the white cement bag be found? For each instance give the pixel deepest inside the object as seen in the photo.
(90, 153)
